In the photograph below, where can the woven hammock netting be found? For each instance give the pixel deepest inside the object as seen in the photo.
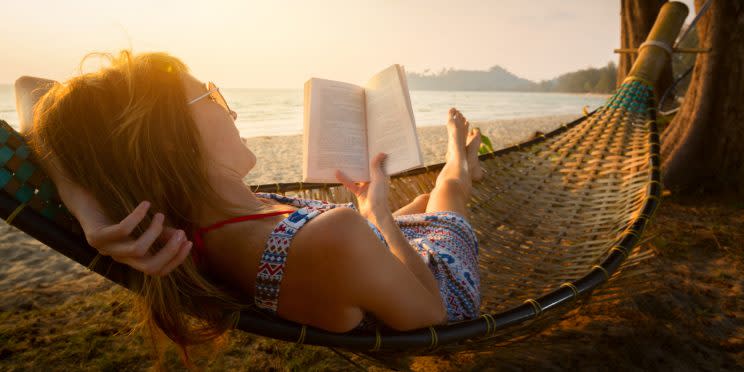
(548, 213)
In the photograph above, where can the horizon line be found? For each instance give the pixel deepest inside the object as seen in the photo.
(417, 72)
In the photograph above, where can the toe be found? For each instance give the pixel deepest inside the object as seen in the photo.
(471, 135)
(474, 133)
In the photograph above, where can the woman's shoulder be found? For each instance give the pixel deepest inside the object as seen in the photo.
(325, 260)
(334, 229)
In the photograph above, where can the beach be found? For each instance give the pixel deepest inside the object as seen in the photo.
(55, 312)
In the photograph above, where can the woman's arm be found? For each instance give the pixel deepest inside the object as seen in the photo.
(108, 238)
(403, 250)
(337, 267)
(372, 198)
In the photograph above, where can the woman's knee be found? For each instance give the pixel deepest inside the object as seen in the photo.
(448, 195)
(451, 186)
(423, 198)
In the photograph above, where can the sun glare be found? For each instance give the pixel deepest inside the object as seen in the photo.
(280, 44)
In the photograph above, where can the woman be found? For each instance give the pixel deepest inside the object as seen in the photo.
(145, 129)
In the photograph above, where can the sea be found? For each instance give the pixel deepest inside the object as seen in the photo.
(278, 112)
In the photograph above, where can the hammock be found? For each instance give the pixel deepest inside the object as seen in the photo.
(555, 216)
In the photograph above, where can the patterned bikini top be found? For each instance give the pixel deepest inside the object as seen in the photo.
(274, 258)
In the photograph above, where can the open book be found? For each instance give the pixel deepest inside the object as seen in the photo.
(346, 125)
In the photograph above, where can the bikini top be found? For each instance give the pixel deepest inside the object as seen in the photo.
(274, 258)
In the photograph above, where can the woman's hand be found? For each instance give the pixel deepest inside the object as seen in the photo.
(114, 240)
(373, 195)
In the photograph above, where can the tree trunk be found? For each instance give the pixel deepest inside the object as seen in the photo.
(703, 147)
(636, 19)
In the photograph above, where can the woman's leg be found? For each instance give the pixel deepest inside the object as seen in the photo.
(452, 189)
(474, 142)
(417, 205)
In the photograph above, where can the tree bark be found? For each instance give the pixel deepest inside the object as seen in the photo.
(703, 147)
(636, 19)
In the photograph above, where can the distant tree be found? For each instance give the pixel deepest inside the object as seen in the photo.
(636, 19)
(703, 147)
(590, 80)
(496, 79)
(606, 83)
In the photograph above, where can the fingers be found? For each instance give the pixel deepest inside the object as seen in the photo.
(130, 222)
(100, 237)
(157, 264)
(162, 262)
(139, 248)
(377, 165)
(167, 234)
(150, 235)
(183, 252)
(347, 182)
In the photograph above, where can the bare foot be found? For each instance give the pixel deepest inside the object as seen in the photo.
(457, 130)
(472, 147)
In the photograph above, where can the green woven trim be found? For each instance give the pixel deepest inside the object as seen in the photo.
(22, 152)
(46, 190)
(24, 194)
(5, 177)
(5, 154)
(50, 211)
(25, 171)
(632, 96)
(4, 135)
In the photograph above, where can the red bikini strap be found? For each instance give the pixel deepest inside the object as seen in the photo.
(198, 241)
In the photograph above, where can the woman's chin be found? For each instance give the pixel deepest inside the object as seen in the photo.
(250, 161)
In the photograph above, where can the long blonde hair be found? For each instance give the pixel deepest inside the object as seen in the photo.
(125, 133)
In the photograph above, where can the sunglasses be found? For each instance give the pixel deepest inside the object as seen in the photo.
(213, 92)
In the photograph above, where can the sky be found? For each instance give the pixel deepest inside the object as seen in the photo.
(282, 43)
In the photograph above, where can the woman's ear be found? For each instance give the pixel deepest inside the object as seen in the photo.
(28, 90)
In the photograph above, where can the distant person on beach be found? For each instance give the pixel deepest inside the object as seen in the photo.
(149, 160)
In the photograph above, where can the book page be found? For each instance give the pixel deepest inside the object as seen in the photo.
(334, 135)
(390, 124)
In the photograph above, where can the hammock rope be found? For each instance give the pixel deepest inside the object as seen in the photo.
(682, 76)
(556, 216)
